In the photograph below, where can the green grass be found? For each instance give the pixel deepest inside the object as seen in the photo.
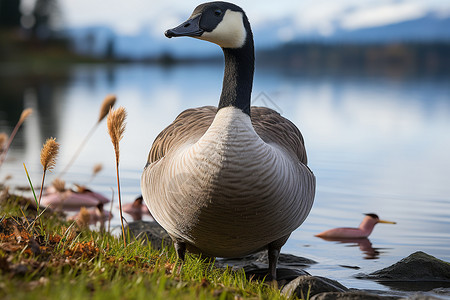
(65, 262)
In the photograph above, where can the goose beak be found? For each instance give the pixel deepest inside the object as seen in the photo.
(189, 28)
(386, 222)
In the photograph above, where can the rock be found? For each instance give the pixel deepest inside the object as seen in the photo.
(423, 297)
(419, 266)
(150, 232)
(315, 284)
(260, 258)
(442, 291)
(417, 272)
(255, 266)
(284, 275)
(287, 260)
(20, 270)
(356, 295)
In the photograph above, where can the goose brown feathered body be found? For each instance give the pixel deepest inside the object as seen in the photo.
(231, 180)
(228, 193)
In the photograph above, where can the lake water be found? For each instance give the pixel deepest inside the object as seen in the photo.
(376, 143)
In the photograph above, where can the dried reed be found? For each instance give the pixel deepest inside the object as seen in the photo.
(3, 139)
(3, 151)
(59, 185)
(25, 114)
(83, 218)
(107, 104)
(95, 170)
(116, 128)
(48, 160)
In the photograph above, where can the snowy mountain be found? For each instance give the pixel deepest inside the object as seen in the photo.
(429, 28)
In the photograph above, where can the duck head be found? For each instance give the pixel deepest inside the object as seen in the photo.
(369, 222)
(221, 23)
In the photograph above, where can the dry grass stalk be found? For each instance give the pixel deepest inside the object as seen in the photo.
(116, 128)
(4, 150)
(83, 218)
(59, 185)
(48, 160)
(25, 114)
(3, 139)
(107, 104)
(49, 153)
(95, 170)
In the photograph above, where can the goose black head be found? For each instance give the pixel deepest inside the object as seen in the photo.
(222, 23)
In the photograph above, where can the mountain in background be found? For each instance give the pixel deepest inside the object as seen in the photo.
(102, 41)
(429, 28)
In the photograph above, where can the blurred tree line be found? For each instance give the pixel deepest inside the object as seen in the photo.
(10, 13)
(39, 19)
(399, 58)
(28, 40)
(30, 32)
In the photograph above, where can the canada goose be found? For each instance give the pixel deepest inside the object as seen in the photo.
(363, 231)
(232, 180)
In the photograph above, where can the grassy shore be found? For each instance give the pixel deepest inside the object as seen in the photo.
(45, 257)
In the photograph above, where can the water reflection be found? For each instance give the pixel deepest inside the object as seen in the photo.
(364, 245)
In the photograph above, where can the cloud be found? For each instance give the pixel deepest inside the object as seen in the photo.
(382, 15)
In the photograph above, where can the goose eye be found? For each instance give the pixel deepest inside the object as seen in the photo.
(218, 12)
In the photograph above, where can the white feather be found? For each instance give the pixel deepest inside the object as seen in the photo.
(230, 33)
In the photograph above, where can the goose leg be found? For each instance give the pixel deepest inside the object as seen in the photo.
(180, 247)
(273, 252)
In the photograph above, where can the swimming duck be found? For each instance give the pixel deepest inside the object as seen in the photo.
(57, 196)
(363, 231)
(230, 180)
(136, 209)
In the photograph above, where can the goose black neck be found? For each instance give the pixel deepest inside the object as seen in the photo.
(238, 76)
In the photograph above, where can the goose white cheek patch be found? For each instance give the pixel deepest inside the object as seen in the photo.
(230, 33)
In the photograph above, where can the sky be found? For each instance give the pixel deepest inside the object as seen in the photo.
(129, 17)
